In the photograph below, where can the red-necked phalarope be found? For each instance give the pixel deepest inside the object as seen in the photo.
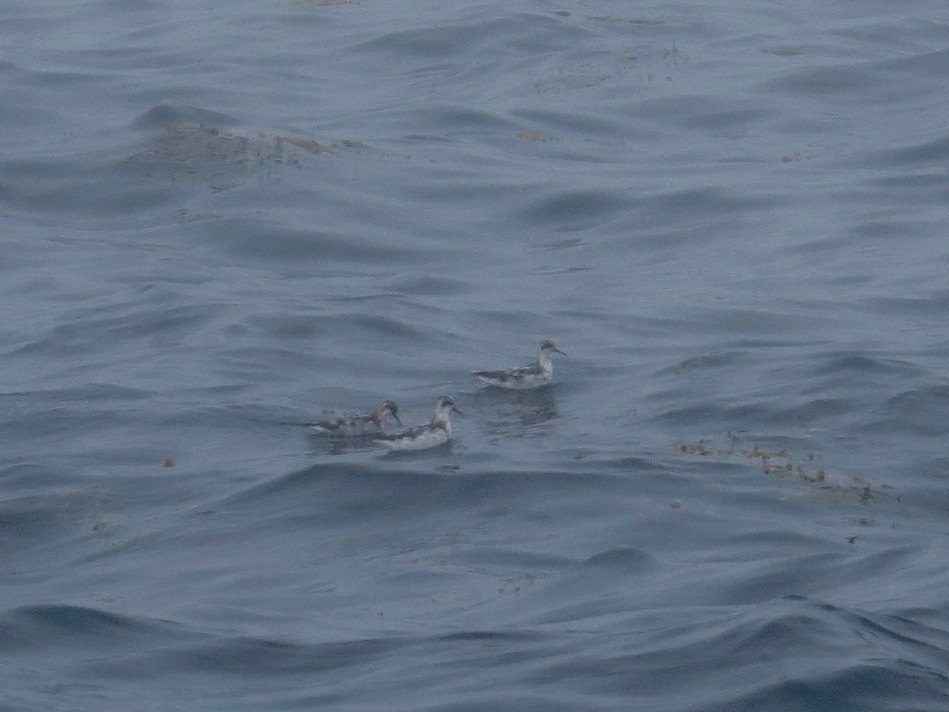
(434, 433)
(525, 377)
(355, 426)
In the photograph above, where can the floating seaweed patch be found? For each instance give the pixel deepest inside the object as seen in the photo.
(531, 135)
(595, 68)
(515, 585)
(225, 159)
(780, 462)
(573, 74)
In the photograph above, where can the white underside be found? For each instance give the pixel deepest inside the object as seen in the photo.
(422, 441)
(518, 384)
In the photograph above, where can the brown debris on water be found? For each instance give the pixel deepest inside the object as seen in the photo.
(308, 145)
(781, 463)
(698, 448)
(531, 135)
(226, 159)
(773, 462)
(515, 585)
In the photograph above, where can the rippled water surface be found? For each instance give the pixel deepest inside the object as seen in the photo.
(223, 219)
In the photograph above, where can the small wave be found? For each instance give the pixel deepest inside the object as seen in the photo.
(272, 242)
(430, 286)
(625, 558)
(833, 80)
(889, 229)
(350, 492)
(95, 331)
(479, 37)
(43, 624)
(578, 122)
(28, 520)
(857, 363)
(261, 657)
(703, 361)
(887, 685)
(491, 636)
(82, 393)
(935, 305)
(709, 113)
(576, 209)
(452, 119)
(919, 411)
(787, 654)
(934, 153)
(161, 115)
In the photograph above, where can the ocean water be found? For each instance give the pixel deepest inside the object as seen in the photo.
(223, 219)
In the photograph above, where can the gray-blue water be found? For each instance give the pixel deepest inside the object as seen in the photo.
(222, 219)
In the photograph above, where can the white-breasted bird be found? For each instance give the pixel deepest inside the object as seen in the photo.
(434, 433)
(525, 377)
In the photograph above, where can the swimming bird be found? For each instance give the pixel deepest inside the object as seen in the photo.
(355, 426)
(434, 433)
(524, 377)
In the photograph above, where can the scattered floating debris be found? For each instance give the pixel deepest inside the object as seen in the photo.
(226, 159)
(168, 462)
(515, 585)
(781, 463)
(531, 135)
